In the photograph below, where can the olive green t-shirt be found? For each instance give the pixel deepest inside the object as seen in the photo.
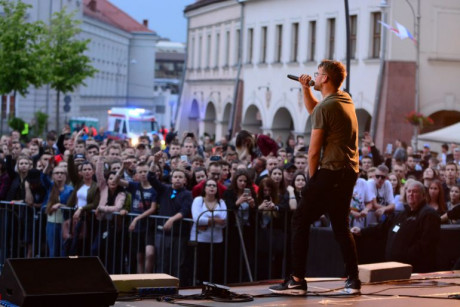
(337, 117)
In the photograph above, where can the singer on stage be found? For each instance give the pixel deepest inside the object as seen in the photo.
(333, 169)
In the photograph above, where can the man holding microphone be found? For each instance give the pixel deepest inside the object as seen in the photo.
(333, 166)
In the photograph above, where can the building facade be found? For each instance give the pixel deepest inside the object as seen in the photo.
(279, 37)
(121, 49)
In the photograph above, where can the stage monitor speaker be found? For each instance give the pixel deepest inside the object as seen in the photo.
(384, 271)
(52, 282)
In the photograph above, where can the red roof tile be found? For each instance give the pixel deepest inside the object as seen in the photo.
(112, 15)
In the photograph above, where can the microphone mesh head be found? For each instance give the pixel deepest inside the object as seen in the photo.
(311, 83)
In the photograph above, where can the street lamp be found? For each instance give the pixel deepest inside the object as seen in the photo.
(417, 65)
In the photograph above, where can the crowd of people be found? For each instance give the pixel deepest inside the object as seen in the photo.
(240, 195)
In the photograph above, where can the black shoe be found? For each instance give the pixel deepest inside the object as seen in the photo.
(352, 286)
(290, 287)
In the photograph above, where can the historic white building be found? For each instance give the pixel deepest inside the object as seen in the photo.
(280, 37)
(121, 49)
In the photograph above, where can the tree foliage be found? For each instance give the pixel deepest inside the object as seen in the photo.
(39, 123)
(67, 62)
(21, 58)
(16, 123)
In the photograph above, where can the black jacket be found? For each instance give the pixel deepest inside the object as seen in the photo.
(412, 237)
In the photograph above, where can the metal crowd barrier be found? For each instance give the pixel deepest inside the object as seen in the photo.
(254, 249)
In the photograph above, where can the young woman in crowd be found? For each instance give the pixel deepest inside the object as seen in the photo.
(429, 174)
(454, 201)
(57, 196)
(199, 174)
(276, 175)
(435, 197)
(84, 198)
(272, 220)
(395, 183)
(112, 199)
(210, 217)
(240, 201)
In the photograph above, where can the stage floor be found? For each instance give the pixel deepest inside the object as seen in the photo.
(421, 290)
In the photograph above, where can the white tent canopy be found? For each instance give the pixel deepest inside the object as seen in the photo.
(449, 134)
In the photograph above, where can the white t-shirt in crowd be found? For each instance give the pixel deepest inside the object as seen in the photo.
(207, 234)
(82, 195)
(362, 194)
(384, 195)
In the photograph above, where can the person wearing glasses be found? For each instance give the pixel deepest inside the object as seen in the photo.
(383, 202)
(210, 217)
(333, 166)
(214, 172)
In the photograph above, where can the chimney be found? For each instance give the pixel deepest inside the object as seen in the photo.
(145, 22)
(92, 5)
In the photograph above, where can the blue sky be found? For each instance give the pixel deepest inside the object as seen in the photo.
(165, 17)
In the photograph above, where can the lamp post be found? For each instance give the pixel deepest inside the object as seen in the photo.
(417, 64)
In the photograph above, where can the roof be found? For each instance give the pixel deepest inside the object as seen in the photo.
(108, 13)
(200, 3)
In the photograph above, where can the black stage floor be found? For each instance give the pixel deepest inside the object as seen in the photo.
(421, 290)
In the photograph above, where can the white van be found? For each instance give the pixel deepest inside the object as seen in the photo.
(131, 123)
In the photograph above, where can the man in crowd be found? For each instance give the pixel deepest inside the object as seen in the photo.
(412, 236)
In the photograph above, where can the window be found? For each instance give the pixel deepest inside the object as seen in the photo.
(227, 48)
(353, 35)
(376, 34)
(250, 45)
(208, 51)
(263, 47)
(200, 51)
(192, 54)
(279, 43)
(216, 55)
(295, 42)
(331, 38)
(312, 41)
(237, 47)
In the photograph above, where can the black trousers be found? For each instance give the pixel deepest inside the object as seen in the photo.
(326, 192)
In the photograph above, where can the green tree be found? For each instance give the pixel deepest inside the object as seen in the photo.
(67, 63)
(21, 58)
(39, 123)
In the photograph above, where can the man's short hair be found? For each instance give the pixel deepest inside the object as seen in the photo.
(224, 163)
(281, 150)
(383, 168)
(175, 143)
(301, 155)
(92, 146)
(197, 158)
(188, 141)
(214, 163)
(420, 186)
(142, 164)
(335, 71)
(452, 163)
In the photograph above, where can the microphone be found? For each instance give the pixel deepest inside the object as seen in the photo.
(295, 78)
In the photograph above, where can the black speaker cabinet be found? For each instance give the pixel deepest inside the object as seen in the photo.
(52, 282)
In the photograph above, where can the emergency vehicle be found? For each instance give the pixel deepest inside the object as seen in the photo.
(131, 123)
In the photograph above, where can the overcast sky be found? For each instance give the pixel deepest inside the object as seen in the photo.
(166, 17)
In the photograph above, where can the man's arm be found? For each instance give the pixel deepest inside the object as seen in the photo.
(309, 100)
(146, 213)
(169, 223)
(314, 151)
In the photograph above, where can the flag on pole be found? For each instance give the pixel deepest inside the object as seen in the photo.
(395, 31)
(404, 32)
(400, 31)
